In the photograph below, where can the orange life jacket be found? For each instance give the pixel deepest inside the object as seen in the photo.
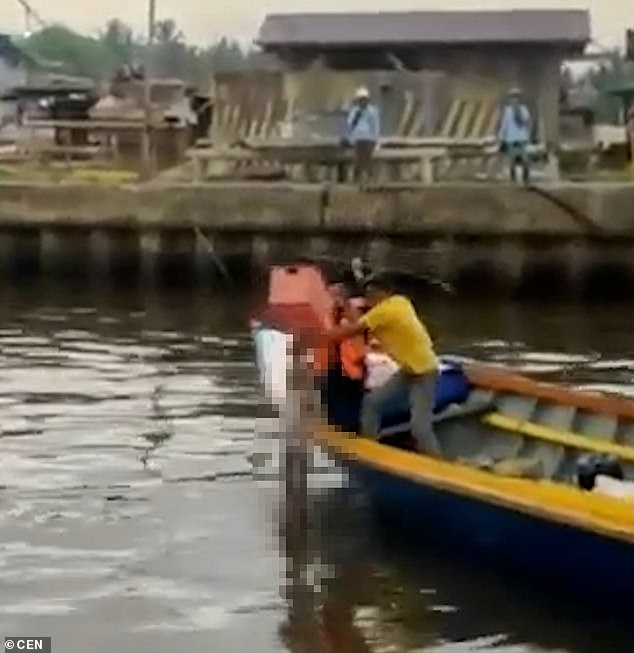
(352, 352)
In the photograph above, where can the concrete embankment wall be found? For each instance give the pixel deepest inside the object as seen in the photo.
(573, 239)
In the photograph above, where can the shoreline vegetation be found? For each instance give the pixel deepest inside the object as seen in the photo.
(116, 45)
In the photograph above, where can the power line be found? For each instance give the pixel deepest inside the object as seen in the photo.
(31, 14)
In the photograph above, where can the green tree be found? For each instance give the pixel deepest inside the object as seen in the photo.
(75, 53)
(118, 41)
(613, 73)
(170, 55)
(226, 55)
(116, 44)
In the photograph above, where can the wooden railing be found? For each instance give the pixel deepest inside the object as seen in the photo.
(324, 162)
(422, 160)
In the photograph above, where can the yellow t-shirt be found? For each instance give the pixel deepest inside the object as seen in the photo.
(401, 333)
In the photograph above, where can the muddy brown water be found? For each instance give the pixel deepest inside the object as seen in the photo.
(130, 521)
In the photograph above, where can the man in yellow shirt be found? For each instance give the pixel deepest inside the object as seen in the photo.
(392, 320)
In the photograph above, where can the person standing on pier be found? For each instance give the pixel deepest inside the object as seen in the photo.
(392, 320)
(514, 135)
(363, 130)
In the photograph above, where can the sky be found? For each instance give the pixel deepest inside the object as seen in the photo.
(203, 21)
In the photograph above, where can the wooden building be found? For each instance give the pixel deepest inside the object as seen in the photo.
(432, 73)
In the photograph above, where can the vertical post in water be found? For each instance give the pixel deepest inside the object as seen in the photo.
(146, 135)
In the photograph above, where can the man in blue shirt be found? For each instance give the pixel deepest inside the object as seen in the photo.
(514, 134)
(363, 130)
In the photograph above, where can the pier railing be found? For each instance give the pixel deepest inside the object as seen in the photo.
(421, 160)
(114, 142)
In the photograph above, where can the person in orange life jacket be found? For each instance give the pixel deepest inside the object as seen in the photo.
(393, 321)
(360, 360)
(342, 387)
(349, 353)
(352, 350)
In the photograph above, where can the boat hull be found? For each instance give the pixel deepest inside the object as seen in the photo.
(580, 563)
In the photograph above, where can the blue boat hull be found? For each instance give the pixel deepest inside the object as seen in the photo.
(582, 564)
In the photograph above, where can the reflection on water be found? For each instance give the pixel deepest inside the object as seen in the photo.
(399, 597)
(130, 520)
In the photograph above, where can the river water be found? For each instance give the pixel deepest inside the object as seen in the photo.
(130, 521)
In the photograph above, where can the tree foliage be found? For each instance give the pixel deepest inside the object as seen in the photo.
(612, 73)
(116, 44)
(74, 53)
(118, 41)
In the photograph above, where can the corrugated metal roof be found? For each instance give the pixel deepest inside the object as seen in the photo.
(421, 27)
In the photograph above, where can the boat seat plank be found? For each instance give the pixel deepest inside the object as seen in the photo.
(560, 437)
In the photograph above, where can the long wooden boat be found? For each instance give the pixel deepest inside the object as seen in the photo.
(510, 485)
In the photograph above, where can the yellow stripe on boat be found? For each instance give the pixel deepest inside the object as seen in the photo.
(553, 502)
(556, 436)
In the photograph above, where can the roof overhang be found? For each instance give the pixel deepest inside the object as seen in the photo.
(425, 28)
(573, 46)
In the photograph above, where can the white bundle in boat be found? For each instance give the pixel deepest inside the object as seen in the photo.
(614, 487)
(379, 368)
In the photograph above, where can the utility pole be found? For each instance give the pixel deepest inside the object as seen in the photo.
(27, 22)
(146, 137)
(30, 16)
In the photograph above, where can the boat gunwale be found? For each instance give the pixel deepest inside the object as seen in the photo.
(594, 513)
(493, 378)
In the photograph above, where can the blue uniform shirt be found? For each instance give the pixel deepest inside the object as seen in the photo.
(512, 132)
(368, 126)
